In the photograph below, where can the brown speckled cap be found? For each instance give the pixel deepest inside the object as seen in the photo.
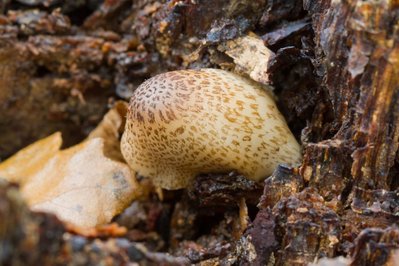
(187, 122)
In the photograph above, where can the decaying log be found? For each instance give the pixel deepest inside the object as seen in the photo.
(334, 66)
(356, 55)
(351, 140)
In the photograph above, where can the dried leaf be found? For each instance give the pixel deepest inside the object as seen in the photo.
(337, 261)
(250, 55)
(110, 129)
(102, 231)
(80, 184)
(30, 160)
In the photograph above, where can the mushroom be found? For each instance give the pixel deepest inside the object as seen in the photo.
(187, 122)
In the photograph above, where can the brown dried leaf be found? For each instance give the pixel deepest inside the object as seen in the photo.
(250, 55)
(30, 160)
(101, 231)
(337, 261)
(110, 129)
(81, 185)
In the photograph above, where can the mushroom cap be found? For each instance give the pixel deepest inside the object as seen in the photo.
(187, 122)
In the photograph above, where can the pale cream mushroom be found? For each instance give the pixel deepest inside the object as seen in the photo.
(187, 122)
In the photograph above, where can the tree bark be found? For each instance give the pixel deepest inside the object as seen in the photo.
(335, 71)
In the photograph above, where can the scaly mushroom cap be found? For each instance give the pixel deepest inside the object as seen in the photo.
(187, 122)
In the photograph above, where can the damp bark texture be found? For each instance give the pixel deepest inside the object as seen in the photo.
(334, 66)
